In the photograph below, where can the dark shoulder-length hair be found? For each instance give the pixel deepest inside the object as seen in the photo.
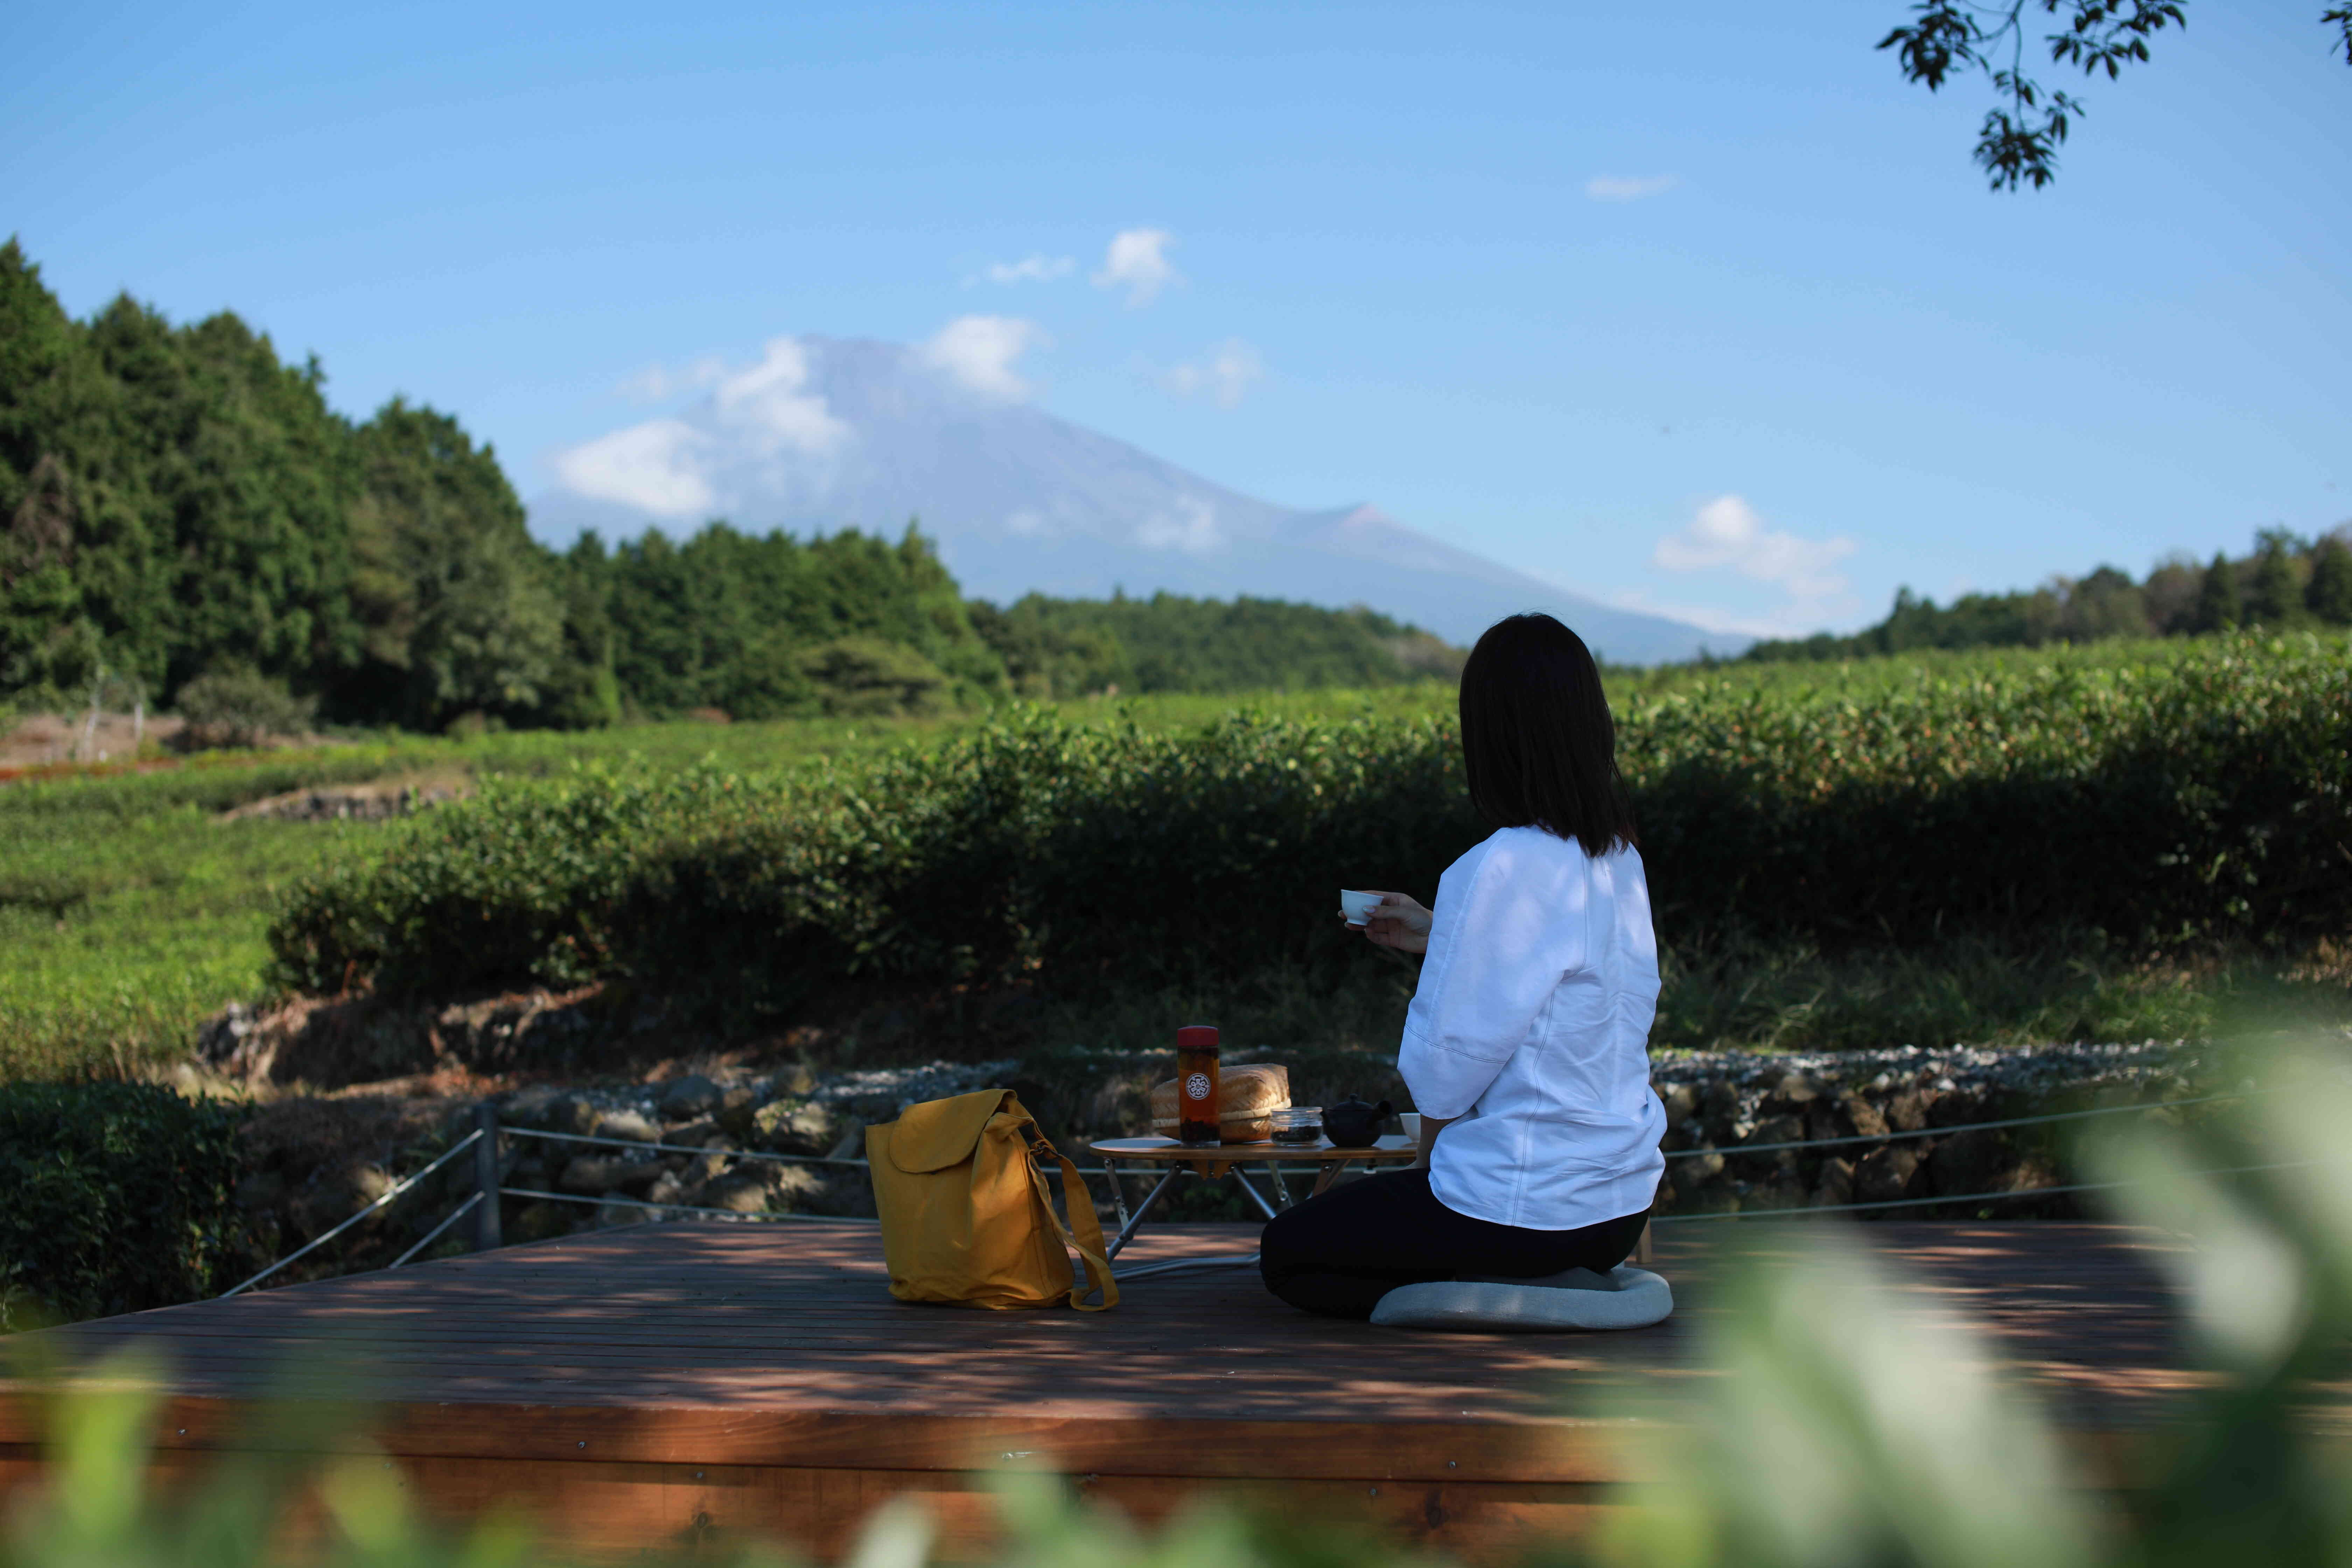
(1537, 739)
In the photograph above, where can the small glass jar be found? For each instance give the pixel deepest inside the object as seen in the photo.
(1298, 1124)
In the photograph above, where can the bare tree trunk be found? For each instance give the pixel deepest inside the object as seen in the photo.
(138, 724)
(89, 729)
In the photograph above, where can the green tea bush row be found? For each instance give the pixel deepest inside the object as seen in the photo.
(113, 1197)
(2188, 799)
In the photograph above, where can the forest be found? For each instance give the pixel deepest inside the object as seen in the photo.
(189, 522)
(2284, 583)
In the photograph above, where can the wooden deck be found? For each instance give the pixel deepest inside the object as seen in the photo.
(665, 1384)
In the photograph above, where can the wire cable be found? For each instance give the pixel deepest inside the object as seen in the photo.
(390, 1193)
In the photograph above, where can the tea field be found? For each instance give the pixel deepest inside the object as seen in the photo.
(2117, 841)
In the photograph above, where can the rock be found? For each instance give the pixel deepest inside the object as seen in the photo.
(1866, 1118)
(691, 1096)
(693, 1134)
(666, 1189)
(1797, 1089)
(1972, 1162)
(743, 1193)
(1908, 1111)
(1957, 1108)
(1681, 1101)
(234, 1044)
(1835, 1186)
(600, 1175)
(631, 1124)
(611, 1214)
(791, 1186)
(1782, 1163)
(793, 1127)
(1826, 1119)
(1884, 1176)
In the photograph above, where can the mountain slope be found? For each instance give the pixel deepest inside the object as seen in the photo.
(823, 434)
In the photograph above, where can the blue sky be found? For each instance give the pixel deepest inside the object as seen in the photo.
(1697, 308)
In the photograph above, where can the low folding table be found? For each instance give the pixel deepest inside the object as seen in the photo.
(1214, 1161)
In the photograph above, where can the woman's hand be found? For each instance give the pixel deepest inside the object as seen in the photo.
(1399, 922)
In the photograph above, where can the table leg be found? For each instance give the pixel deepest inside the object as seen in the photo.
(1126, 1232)
(1118, 1192)
(1329, 1173)
(1255, 1196)
(1281, 1193)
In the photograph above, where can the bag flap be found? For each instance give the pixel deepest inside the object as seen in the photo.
(942, 1132)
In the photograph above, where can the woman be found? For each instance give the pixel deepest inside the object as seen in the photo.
(1527, 1046)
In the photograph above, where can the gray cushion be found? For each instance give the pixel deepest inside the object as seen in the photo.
(1621, 1298)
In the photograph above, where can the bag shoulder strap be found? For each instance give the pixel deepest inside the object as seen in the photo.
(1088, 1241)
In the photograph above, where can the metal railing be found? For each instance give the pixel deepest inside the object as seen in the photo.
(481, 1204)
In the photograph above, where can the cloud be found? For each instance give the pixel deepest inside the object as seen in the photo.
(1727, 535)
(769, 404)
(1789, 620)
(1224, 374)
(1137, 262)
(667, 467)
(1618, 188)
(655, 467)
(1192, 527)
(656, 381)
(1036, 267)
(980, 351)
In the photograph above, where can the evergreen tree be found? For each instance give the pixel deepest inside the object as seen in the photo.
(463, 611)
(2274, 597)
(2217, 597)
(2328, 595)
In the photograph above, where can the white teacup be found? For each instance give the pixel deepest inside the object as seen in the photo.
(1357, 907)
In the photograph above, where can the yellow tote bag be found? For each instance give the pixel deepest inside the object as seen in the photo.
(967, 1217)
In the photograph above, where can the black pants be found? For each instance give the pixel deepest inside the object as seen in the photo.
(1340, 1254)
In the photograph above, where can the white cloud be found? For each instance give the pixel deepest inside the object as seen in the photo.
(1224, 374)
(1192, 527)
(1789, 620)
(656, 466)
(980, 351)
(1727, 535)
(769, 403)
(656, 381)
(1036, 268)
(1137, 261)
(1619, 188)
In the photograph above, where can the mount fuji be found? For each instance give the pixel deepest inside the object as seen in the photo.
(822, 434)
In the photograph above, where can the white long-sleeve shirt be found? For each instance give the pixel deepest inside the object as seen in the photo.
(1532, 1021)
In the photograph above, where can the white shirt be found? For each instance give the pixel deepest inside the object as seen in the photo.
(1532, 1020)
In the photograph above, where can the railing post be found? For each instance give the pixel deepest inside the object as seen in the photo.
(486, 1177)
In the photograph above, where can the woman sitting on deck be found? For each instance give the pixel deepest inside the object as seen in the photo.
(1528, 1041)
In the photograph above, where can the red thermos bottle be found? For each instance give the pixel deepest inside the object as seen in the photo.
(1196, 1084)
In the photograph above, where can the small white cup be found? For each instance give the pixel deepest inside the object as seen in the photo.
(1357, 907)
(1412, 1120)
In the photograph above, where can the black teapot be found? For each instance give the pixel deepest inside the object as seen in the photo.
(1353, 1124)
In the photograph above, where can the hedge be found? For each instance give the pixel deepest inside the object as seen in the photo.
(113, 1197)
(2199, 796)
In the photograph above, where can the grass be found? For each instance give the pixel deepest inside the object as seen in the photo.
(128, 915)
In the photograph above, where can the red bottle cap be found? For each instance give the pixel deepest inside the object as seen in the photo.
(1197, 1037)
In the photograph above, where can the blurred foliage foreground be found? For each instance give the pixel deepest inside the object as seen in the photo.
(1845, 1424)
